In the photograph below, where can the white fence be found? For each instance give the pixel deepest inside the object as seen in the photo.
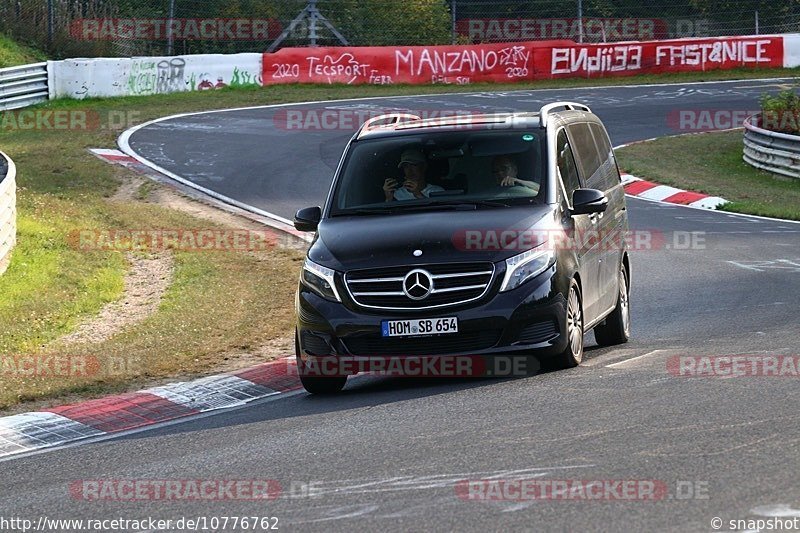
(8, 209)
(23, 86)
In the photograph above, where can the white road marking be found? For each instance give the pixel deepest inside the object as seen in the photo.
(349, 511)
(613, 356)
(627, 362)
(778, 85)
(781, 510)
(435, 481)
(761, 266)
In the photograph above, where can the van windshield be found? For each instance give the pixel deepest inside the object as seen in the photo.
(433, 170)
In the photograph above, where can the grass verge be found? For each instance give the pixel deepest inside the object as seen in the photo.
(712, 163)
(218, 303)
(13, 53)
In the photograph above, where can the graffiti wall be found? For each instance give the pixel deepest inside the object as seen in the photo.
(508, 62)
(415, 64)
(85, 78)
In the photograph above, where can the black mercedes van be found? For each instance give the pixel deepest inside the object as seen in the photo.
(479, 235)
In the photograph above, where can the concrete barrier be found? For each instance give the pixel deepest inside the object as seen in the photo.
(138, 76)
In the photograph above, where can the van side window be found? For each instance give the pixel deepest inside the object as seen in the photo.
(601, 141)
(609, 177)
(589, 160)
(566, 164)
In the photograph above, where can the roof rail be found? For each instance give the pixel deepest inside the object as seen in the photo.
(386, 120)
(571, 106)
(456, 120)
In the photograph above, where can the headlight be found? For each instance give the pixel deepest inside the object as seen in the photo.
(525, 266)
(320, 280)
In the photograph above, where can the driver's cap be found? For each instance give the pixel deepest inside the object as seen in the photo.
(413, 156)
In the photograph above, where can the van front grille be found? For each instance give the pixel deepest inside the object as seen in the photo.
(447, 285)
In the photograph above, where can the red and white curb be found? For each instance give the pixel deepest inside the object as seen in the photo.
(662, 193)
(57, 426)
(115, 156)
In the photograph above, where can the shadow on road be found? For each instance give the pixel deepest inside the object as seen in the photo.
(360, 393)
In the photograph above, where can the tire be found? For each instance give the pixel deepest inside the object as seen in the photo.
(323, 386)
(573, 353)
(320, 385)
(616, 329)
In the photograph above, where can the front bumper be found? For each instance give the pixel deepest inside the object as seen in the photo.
(528, 320)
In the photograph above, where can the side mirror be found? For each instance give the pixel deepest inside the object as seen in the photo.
(307, 219)
(588, 201)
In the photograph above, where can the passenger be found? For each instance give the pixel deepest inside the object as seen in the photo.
(415, 185)
(505, 171)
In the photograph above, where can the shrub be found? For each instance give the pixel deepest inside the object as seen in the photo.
(781, 112)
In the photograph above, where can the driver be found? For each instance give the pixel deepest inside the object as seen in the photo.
(505, 171)
(415, 184)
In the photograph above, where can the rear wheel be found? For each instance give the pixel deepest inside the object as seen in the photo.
(616, 329)
(316, 384)
(573, 353)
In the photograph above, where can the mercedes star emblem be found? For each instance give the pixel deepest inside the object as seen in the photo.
(418, 284)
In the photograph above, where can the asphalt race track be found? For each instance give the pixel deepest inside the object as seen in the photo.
(387, 453)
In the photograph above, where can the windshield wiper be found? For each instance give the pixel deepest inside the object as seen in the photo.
(364, 211)
(490, 203)
(472, 203)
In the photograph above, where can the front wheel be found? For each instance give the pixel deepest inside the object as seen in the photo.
(573, 353)
(315, 384)
(616, 329)
(322, 386)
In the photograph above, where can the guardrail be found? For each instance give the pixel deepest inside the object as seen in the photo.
(778, 153)
(23, 86)
(8, 209)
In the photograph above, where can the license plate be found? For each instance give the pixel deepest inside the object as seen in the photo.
(424, 326)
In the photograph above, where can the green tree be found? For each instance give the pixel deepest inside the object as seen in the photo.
(390, 22)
